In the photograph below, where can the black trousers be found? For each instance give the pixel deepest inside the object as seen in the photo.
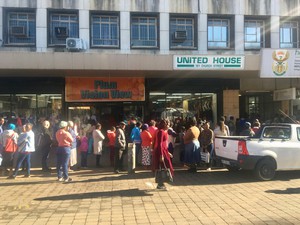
(119, 155)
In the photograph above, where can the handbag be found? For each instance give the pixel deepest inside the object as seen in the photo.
(205, 156)
(163, 175)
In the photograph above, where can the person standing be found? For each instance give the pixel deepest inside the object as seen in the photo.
(26, 145)
(146, 146)
(111, 135)
(73, 152)
(192, 147)
(120, 147)
(1, 124)
(83, 148)
(98, 138)
(64, 139)
(44, 144)
(161, 155)
(206, 141)
(136, 139)
(9, 140)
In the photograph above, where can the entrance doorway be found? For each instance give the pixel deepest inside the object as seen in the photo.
(108, 114)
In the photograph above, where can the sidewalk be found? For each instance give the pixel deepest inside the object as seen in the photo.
(98, 196)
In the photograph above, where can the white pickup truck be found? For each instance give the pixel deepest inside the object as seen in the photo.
(276, 147)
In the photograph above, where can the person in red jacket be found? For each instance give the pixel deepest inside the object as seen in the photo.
(111, 135)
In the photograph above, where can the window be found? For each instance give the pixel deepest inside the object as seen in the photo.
(289, 34)
(20, 28)
(182, 32)
(219, 33)
(253, 105)
(254, 34)
(105, 31)
(144, 31)
(61, 26)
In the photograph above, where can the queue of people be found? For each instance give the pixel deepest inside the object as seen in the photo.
(154, 144)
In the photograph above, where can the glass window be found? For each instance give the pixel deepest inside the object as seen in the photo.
(61, 26)
(254, 34)
(184, 105)
(30, 107)
(289, 34)
(182, 32)
(144, 32)
(21, 28)
(105, 31)
(218, 32)
(253, 105)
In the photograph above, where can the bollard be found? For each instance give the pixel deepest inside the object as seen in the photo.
(131, 158)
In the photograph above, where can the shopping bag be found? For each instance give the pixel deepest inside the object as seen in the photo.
(163, 175)
(205, 157)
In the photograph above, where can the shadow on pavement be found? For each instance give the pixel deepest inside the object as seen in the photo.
(121, 193)
(286, 191)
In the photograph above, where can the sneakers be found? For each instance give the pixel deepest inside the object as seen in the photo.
(161, 187)
(69, 179)
(27, 175)
(60, 179)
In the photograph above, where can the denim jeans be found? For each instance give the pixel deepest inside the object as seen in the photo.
(21, 158)
(63, 156)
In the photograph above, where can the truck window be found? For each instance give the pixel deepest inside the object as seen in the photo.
(277, 132)
(298, 133)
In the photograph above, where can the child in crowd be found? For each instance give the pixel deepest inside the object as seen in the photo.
(83, 148)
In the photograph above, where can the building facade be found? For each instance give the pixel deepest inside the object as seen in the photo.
(148, 58)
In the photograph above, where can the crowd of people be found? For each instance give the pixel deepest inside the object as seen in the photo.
(154, 143)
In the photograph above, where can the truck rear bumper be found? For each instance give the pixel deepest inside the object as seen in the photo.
(245, 162)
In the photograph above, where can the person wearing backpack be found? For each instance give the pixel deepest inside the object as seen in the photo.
(8, 139)
(26, 145)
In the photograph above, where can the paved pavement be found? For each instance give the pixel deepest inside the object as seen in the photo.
(98, 196)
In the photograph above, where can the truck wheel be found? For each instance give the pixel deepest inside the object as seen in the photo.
(265, 170)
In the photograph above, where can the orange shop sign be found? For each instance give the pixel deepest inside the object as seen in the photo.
(104, 89)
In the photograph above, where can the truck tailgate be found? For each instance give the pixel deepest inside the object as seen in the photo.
(227, 147)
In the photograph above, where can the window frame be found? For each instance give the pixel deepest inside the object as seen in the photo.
(295, 44)
(259, 37)
(157, 34)
(194, 30)
(6, 27)
(230, 32)
(52, 40)
(105, 14)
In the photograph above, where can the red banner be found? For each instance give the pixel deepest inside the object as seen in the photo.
(104, 89)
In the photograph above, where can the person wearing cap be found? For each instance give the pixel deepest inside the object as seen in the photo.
(26, 145)
(64, 139)
(247, 131)
(120, 146)
(146, 146)
(8, 156)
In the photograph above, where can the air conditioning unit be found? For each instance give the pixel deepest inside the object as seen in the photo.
(18, 31)
(180, 35)
(75, 44)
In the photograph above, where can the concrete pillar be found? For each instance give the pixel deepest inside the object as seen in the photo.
(41, 30)
(239, 34)
(164, 33)
(125, 31)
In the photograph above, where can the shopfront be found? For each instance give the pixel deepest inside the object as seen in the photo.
(28, 99)
(105, 99)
